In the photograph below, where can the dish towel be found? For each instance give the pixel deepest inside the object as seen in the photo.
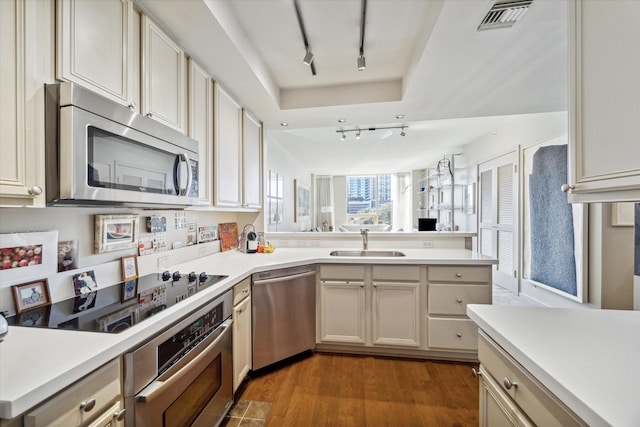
(552, 244)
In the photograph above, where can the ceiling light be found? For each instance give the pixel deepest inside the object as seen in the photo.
(342, 120)
(358, 134)
(361, 63)
(400, 116)
(343, 137)
(358, 131)
(284, 124)
(402, 132)
(308, 58)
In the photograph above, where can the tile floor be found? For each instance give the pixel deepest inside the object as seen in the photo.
(247, 413)
(501, 296)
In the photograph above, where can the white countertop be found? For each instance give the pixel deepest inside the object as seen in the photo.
(36, 363)
(589, 359)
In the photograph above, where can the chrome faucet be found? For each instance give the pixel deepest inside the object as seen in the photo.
(365, 238)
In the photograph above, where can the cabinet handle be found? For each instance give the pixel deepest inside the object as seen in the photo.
(567, 188)
(362, 285)
(475, 373)
(459, 300)
(508, 384)
(88, 405)
(133, 106)
(458, 274)
(245, 291)
(119, 415)
(150, 115)
(35, 190)
(459, 335)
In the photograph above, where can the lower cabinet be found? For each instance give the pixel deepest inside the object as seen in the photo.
(509, 395)
(96, 400)
(241, 332)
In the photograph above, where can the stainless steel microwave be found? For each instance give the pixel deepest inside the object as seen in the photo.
(99, 152)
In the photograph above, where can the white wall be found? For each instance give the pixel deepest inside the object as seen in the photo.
(281, 162)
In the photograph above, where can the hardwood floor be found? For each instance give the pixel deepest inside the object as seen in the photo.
(343, 390)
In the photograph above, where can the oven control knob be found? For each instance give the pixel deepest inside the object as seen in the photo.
(166, 276)
(203, 276)
(192, 277)
(176, 276)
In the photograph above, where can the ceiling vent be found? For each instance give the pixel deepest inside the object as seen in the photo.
(504, 14)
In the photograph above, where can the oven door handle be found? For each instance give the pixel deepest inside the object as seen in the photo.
(156, 388)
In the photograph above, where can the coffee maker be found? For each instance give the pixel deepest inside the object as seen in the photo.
(248, 240)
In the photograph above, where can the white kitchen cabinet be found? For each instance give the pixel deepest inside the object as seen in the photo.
(451, 288)
(164, 77)
(201, 127)
(604, 130)
(26, 49)
(95, 47)
(241, 332)
(227, 150)
(384, 300)
(95, 400)
(251, 161)
(509, 393)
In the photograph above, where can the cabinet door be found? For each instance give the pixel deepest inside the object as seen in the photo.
(496, 408)
(604, 131)
(342, 312)
(164, 81)
(26, 49)
(252, 161)
(396, 314)
(201, 127)
(112, 417)
(228, 150)
(95, 50)
(241, 341)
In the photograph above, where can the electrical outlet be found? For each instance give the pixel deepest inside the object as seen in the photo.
(427, 244)
(163, 262)
(284, 243)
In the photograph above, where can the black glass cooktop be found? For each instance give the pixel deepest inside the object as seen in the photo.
(119, 307)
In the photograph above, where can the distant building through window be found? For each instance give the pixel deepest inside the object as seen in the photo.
(369, 199)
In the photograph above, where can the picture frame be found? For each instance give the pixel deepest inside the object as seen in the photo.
(31, 295)
(115, 232)
(37, 317)
(120, 320)
(301, 207)
(84, 283)
(129, 290)
(23, 267)
(129, 266)
(622, 214)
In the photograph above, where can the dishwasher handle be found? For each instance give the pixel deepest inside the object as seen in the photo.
(284, 278)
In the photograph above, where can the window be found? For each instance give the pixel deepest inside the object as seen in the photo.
(369, 200)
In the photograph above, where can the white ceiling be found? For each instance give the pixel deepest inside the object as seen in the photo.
(425, 59)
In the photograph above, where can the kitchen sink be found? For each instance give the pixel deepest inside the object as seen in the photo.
(367, 253)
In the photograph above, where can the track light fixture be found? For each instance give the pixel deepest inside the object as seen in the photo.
(361, 62)
(308, 56)
(358, 131)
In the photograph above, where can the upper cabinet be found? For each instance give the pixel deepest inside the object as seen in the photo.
(164, 77)
(228, 150)
(252, 161)
(604, 143)
(26, 49)
(95, 47)
(201, 126)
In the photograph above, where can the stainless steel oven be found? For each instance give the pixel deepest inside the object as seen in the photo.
(183, 377)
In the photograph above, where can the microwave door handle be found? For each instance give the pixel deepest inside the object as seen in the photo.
(156, 388)
(183, 174)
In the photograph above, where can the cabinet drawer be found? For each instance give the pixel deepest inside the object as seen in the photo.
(455, 334)
(64, 409)
(481, 274)
(241, 290)
(453, 299)
(344, 272)
(533, 398)
(396, 273)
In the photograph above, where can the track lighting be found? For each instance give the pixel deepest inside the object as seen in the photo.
(308, 58)
(358, 131)
(361, 63)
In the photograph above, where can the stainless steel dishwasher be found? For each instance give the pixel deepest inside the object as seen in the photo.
(284, 313)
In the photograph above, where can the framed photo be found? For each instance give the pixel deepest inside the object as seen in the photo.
(27, 256)
(67, 255)
(129, 267)
(85, 283)
(622, 214)
(301, 207)
(84, 302)
(115, 232)
(36, 317)
(120, 320)
(129, 290)
(28, 296)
